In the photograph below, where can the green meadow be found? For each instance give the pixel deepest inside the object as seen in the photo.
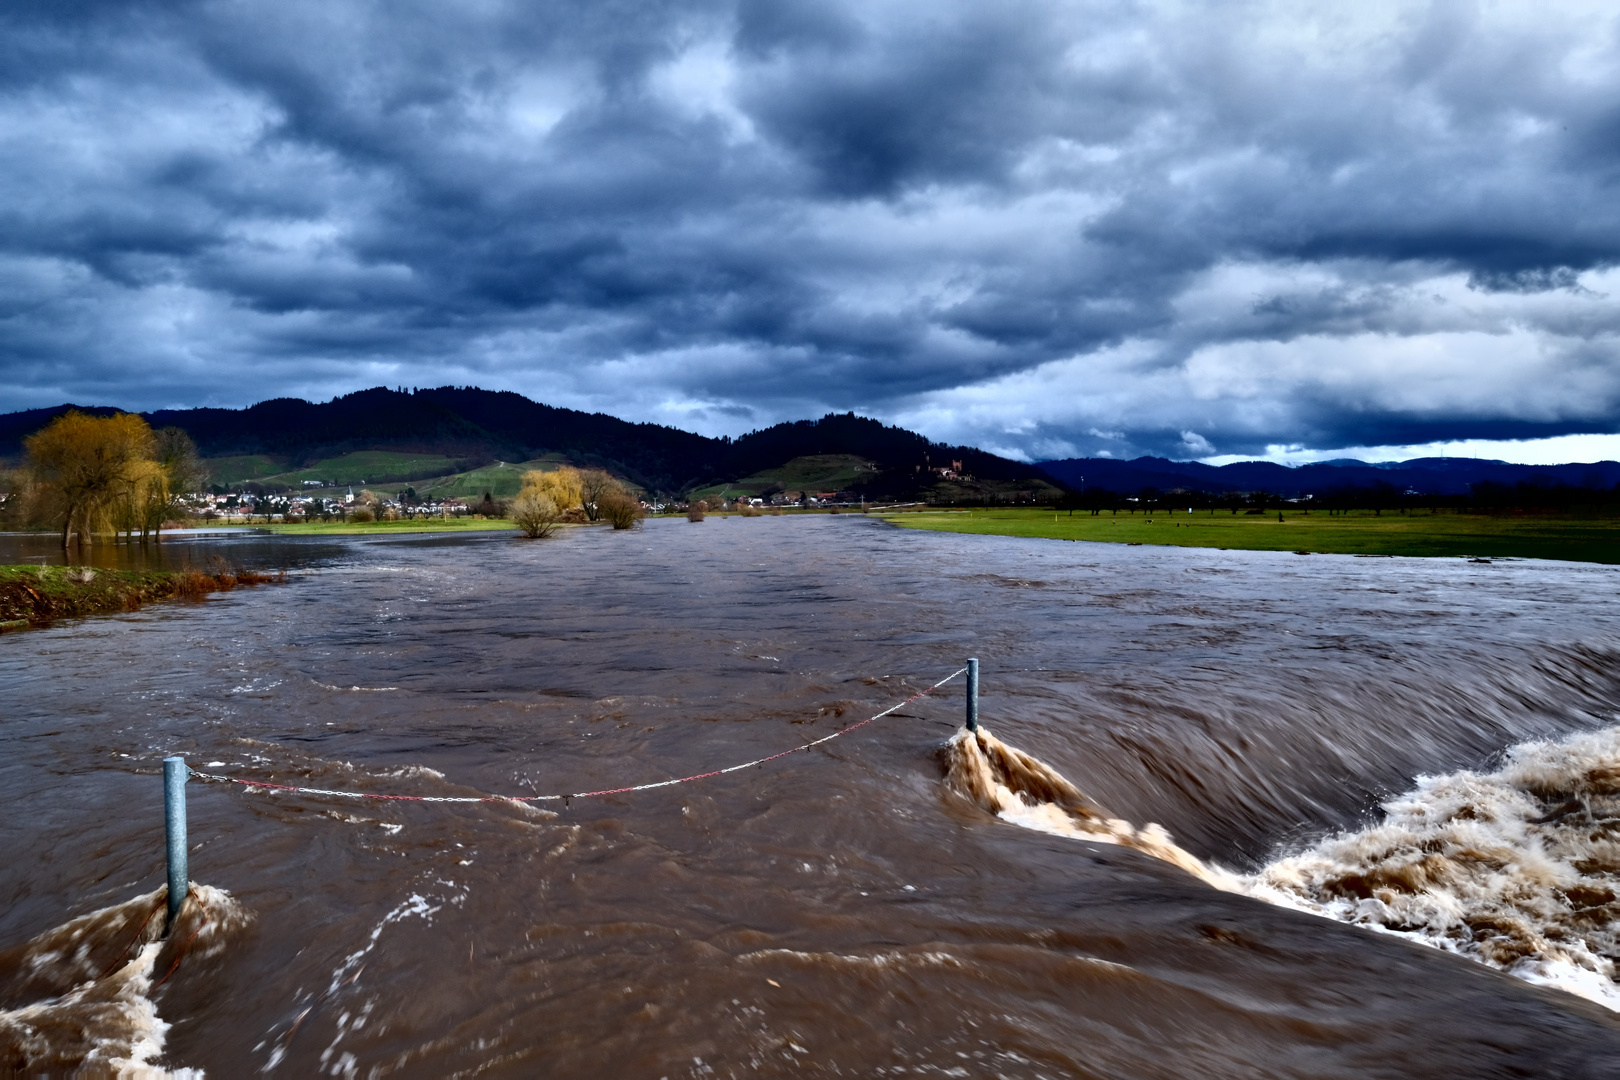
(1574, 538)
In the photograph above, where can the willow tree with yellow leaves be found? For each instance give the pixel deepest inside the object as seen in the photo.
(100, 471)
(546, 499)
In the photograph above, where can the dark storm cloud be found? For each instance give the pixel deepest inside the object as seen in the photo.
(1054, 228)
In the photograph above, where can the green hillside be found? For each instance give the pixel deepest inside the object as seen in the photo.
(368, 467)
(502, 479)
(360, 467)
(230, 471)
(431, 475)
(810, 473)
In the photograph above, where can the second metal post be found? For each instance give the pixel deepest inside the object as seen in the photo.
(174, 822)
(973, 695)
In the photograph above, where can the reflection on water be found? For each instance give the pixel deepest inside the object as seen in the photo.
(856, 909)
(254, 549)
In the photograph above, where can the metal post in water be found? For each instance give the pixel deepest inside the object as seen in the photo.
(973, 695)
(174, 822)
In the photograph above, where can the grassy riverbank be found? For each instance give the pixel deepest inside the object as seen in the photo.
(36, 595)
(1577, 539)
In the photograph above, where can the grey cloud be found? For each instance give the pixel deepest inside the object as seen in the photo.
(769, 208)
(1532, 280)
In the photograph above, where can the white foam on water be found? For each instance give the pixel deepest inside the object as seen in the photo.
(354, 689)
(1518, 869)
(920, 958)
(94, 978)
(1025, 791)
(346, 974)
(119, 1030)
(411, 772)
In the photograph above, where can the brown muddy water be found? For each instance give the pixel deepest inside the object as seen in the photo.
(1235, 814)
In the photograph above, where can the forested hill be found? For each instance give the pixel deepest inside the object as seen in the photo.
(473, 426)
(476, 426)
(1428, 476)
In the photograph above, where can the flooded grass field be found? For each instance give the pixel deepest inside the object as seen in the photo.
(1572, 537)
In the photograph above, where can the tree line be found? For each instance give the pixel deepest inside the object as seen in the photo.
(551, 499)
(98, 476)
(1484, 497)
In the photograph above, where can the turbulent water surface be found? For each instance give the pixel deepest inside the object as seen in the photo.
(1231, 814)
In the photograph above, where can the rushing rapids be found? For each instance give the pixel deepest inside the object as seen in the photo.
(90, 982)
(1028, 792)
(1517, 868)
(1210, 751)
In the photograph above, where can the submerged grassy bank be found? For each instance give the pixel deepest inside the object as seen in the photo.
(367, 528)
(36, 595)
(1577, 539)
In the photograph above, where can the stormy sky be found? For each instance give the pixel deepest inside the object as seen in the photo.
(1050, 229)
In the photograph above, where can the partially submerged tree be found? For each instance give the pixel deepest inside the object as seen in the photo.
(536, 514)
(546, 499)
(144, 502)
(621, 509)
(595, 487)
(92, 464)
(153, 494)
(183, 473)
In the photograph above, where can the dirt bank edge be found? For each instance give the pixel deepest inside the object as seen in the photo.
(38, 595)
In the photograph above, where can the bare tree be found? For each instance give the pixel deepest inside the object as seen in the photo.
(183, 473)
(596, 485)
(536, 513)
(621, 509)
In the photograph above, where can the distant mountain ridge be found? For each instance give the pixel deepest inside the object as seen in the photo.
(473, 425)
(1428, 476)
(483, 425)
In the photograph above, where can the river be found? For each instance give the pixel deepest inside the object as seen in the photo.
(1233, 814)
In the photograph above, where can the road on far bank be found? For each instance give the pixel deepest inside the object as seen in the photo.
(1568, 537)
